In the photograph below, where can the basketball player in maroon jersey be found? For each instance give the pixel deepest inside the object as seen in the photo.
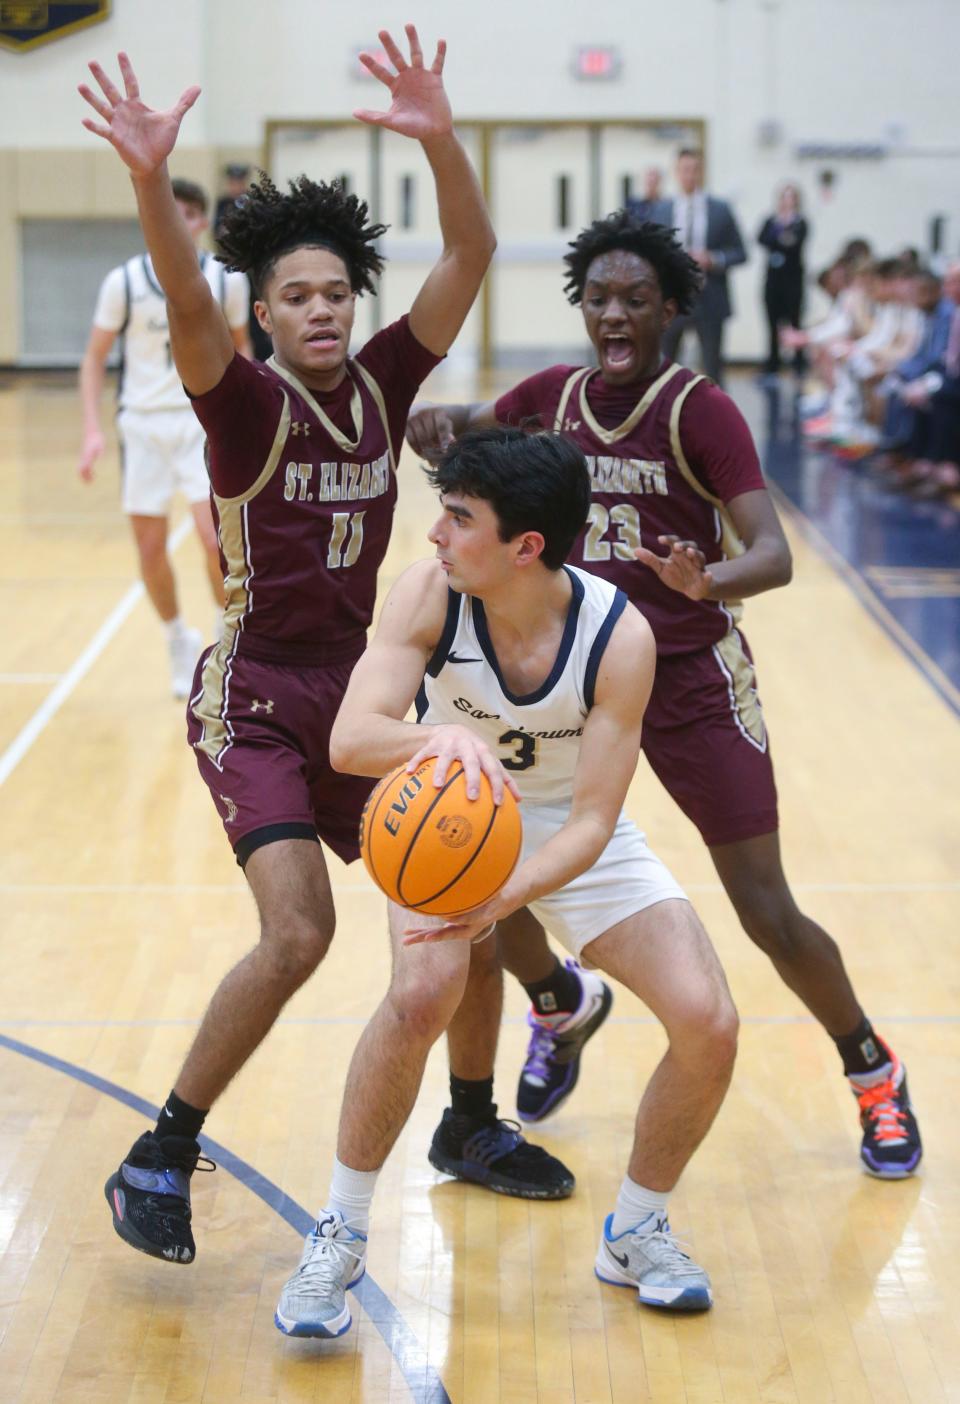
(302, 462)
(681, 520)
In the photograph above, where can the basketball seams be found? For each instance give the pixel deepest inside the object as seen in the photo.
(466, 868)
(418, 830)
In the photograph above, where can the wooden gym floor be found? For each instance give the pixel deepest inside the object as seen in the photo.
(122, 907)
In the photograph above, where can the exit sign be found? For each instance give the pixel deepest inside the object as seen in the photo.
(597, 61)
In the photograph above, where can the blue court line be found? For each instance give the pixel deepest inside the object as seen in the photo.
(424, 1383)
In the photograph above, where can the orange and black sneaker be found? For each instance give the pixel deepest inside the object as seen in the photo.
(891, 1147)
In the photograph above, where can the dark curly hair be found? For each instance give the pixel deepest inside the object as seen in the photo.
(265, 224)
(677, 273)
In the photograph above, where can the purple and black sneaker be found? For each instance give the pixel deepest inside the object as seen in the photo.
(553, 1054)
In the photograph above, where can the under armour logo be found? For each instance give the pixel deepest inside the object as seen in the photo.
(231, 815)
(300, 426)
(257, 706)
(572, 425)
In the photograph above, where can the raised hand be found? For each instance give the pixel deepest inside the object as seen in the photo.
(683, 568)
(429, 431)
(419, 108)
(141, 137)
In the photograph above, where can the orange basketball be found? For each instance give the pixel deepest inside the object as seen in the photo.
(433, 849)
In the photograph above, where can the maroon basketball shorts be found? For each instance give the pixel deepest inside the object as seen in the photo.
(704, 736)
(261, 734)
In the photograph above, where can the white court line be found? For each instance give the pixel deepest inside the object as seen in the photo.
(30, 677)
(51, 704)
(216, 888)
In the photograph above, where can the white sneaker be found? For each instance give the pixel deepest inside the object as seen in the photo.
(649, 1258)
(313, 1302)
(185, 648)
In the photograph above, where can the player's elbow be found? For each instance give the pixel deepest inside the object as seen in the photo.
(784, 565)
(342, 750)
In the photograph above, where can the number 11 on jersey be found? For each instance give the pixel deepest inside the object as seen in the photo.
(345, 523)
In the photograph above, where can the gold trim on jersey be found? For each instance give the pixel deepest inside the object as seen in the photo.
(232, 514)
(730, 543)
(356, 408)
(578, 381)
(209, 707)
(381, 404)
(741, 685)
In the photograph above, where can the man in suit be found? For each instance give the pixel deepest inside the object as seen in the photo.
(708, 231)
(644, 205)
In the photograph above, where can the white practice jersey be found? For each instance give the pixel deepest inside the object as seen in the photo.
(131, 303)
(536, 737)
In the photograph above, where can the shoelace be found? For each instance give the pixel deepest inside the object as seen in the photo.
(324, 1267)
(539, 1052)
(663, 1246)
(880, 1107)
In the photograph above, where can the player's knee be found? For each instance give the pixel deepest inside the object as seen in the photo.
(705, 1031)
(773, 923)
(425, 1004)
(297, 950)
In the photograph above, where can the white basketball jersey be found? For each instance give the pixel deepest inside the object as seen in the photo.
(536, 737)
(132, 304)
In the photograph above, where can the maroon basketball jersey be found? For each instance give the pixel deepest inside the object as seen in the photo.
(304, 488)
(643, 487)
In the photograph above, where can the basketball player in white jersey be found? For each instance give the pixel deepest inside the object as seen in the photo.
(537, 674)
(161, 438)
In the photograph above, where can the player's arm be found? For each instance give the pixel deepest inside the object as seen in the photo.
(420, 109)
(717, 442)
(370, 736)
(200, 342)
(613, 728)
(93, 371)
(430, 428)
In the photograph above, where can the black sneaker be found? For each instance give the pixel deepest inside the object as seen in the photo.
(489, 1152)
(890, 1148)
(552, 1064)
(150, 1196)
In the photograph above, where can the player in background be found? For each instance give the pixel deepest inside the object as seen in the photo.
(550, 668)
(161, 439)
(302, 462)
(682, 522)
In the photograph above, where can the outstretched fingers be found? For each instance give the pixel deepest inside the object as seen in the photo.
(96, 128)
(129, 77)
(110, 90)
(391, 49)
(373, 66)
(416, 52)
(187, 98)
(97, 103)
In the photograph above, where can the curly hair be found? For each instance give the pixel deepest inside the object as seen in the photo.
(266, 223)
(679, 276)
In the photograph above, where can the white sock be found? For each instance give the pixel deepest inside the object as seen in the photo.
(175, 627)
(633, 1205)
(351, 1194)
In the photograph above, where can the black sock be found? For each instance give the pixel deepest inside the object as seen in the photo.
(559, 993)
(861, 1051)
(471, 1098)
(178, 1118)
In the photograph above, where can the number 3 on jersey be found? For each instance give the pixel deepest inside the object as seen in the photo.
(526, 753)
(344, 523)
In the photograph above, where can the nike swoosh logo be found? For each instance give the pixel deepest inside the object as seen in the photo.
(458, 658)
(623, 1260)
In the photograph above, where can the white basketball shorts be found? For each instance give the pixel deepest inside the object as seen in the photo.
(162, 452)
(625, 879)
